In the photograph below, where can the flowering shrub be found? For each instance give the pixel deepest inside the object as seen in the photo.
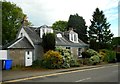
(94, 60)
(52, 59)
(92, 52)
(68, 60)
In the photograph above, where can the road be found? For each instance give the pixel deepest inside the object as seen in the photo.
(99, 74)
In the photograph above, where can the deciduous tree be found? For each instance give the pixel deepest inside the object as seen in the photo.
(12, 16)
(60, 25)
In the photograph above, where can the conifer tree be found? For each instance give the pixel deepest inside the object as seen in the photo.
(99, 29)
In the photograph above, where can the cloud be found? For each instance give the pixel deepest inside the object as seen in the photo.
(41, 12)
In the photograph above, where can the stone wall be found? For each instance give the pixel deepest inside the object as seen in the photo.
(74, 52)
(18, 56)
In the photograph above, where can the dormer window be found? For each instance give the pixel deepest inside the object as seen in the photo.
(73, 37)
(43, 31)
(59, 35)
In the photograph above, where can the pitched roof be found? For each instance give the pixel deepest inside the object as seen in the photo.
(63, 41)
(21, 43)
(33, 35)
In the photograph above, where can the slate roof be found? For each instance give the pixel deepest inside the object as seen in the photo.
(33, 35)
(22, 43)
(64, 40)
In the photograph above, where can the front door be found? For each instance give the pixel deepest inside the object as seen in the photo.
(28, 58)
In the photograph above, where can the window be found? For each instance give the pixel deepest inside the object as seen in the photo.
(75, 37)
(28, 52)
(59, 35)
(21, 34)
(79, 52)
(43, 31)
(67, 47)
(71, 37)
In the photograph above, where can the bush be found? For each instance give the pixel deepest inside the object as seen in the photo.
(48, 42)
(94, 60)
(86, 61)
(92, 52)
(37, 63)
(68, 59)
(108, 55)
(85, 55)
(118, 56)
(111, 56)
(52, 59)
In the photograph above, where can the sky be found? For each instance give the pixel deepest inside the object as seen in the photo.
(46, 12)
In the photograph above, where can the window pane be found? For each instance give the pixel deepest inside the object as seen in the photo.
(79, 51)
(67, 47)
(72, 37)
(75, 37)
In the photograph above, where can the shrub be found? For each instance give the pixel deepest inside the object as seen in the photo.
(48, 42)
(92, 52)
(37, 63)
(111, 56)
(94, 60)
(85, 55)
(52, 59)
(68, 59)
(118, 56)
(86, 61)
(107, 55)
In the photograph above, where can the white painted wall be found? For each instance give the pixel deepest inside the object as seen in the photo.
(46, 30)
(71, 36)
(3, 54)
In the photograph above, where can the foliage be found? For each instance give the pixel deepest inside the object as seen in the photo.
(99, 28)
(92, 52)
(118, 56)
(86, 61)
(91, 57)
(85, 55)
(12, 16)
(94, 60)
(69, 60)
(108, 55)
(37, 63)
(52, 59)
(116, 41)
(60, 25)
(48, 42)
(79, 25)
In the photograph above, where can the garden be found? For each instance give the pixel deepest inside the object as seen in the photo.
(62, 58)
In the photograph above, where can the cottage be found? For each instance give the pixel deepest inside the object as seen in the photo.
(27, 46)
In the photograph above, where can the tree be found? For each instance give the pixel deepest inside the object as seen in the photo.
(99, 29)
(116, 41)
(60, 25)
(48, 42)
(12, 16)
(79, 25)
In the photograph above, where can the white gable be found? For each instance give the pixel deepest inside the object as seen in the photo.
(59, 35)
(45, 30)
(23, 33)
(73, 36)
